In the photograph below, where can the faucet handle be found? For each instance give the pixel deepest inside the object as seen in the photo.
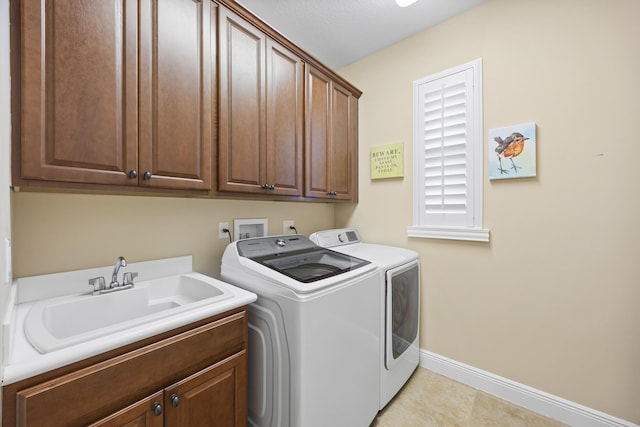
(98, 284)
(128, 278)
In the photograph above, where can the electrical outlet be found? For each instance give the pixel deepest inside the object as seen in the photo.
(223, 226)
(286, 227)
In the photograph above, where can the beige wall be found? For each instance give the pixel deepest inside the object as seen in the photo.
(61, 232)
(552, 301)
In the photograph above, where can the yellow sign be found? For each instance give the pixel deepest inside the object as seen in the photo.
(387, 161)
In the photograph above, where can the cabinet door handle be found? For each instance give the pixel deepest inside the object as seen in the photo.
(175, 400)
(133, 174)
(146, 175)
(332, 193)
(156, 408)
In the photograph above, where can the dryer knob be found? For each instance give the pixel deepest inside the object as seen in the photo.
(280, 242)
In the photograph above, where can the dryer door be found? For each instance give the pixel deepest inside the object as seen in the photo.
(402, 313)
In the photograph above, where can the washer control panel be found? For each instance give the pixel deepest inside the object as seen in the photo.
(263, 246)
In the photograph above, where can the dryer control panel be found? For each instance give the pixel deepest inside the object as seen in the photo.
(337, 237)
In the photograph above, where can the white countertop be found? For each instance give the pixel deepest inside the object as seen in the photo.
(22, 360)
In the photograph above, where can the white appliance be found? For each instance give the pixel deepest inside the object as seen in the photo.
(399, 272)
(314, 333)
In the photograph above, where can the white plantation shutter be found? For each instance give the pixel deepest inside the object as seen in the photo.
(448, 155)
(445, 149)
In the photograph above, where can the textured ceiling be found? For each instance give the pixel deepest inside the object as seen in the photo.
(339, 32)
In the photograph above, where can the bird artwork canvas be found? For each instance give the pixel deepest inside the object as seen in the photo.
(512, 151)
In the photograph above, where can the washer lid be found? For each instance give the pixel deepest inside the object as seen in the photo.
(297, 257)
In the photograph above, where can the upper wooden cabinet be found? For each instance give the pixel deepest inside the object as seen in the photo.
(261, 109)
(117, 92)
(153, 95)
(331, 138)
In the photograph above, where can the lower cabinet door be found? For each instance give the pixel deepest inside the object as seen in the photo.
(145, 413)
(213, 397)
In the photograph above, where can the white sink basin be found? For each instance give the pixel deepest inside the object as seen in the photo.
(57, 323)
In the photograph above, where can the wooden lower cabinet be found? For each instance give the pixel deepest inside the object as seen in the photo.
(210, 398)
(193, 376)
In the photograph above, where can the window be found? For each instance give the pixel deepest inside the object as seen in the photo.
(447, 151)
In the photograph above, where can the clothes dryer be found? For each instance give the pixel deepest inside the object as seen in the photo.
(399, 287)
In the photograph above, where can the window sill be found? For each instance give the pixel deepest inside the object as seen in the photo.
(451, 233)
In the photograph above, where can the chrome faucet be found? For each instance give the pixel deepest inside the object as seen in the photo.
(120, 262)
(100, 286)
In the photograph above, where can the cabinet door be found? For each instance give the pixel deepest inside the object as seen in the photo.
(176, 80)
(331, 138)
(317, 132)
(284, 120)
(242, 104)
(79, 90)
(344, 145)
(140, 414)
(214, 397)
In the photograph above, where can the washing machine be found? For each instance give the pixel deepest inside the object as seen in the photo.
(314, 334)
(399, 287)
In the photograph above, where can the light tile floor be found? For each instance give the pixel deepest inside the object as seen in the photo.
(432, 400)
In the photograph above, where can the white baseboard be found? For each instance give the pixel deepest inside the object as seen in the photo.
(527, 397)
